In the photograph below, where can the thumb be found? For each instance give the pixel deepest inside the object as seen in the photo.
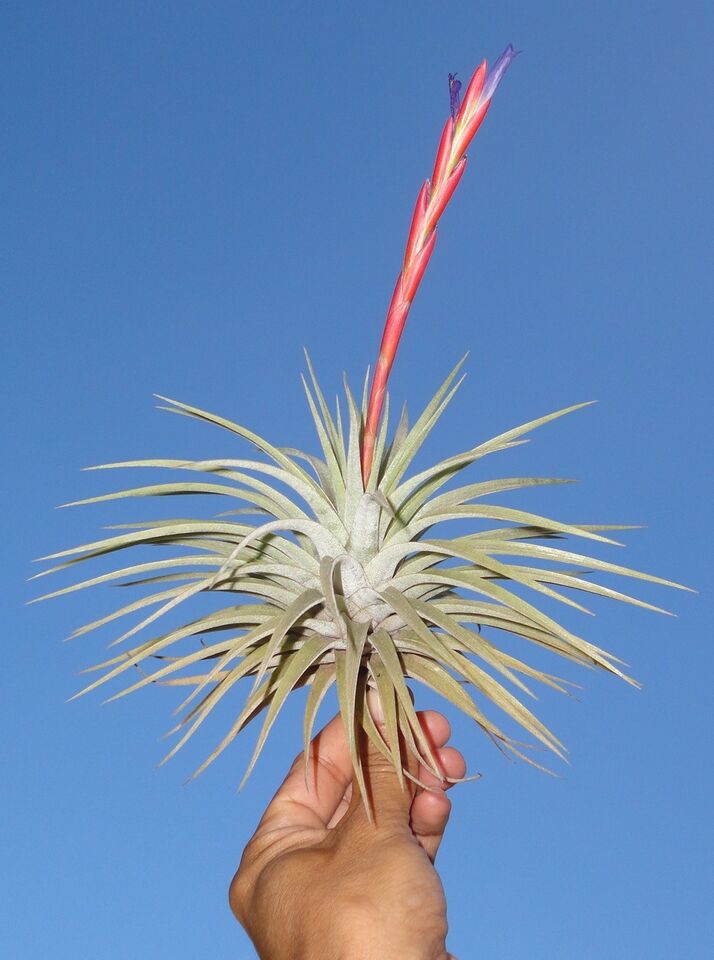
(389, 801)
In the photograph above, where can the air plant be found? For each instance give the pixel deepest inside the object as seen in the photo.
(349, 582)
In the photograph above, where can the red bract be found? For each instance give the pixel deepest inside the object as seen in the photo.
(432, 201)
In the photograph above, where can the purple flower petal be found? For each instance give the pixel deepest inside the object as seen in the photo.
(454, 98)
(496, 72)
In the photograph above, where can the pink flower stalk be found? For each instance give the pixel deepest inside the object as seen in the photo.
(434, 195)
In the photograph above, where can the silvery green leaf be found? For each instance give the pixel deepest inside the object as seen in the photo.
(335, 585)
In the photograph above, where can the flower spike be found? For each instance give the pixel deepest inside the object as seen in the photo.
(435, 194)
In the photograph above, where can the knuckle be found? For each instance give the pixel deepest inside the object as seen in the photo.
(239, 895)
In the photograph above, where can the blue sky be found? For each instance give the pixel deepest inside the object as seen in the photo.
(191, 193)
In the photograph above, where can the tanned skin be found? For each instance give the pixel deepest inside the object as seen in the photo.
(319, 881)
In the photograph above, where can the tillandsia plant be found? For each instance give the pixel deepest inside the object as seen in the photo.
(349, 582)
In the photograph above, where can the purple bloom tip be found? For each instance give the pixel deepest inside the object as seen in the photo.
(454, 98)
(496, 72)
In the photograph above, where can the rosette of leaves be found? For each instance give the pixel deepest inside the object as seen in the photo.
(336, 582)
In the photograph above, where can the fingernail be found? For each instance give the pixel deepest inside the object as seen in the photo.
(375, 706)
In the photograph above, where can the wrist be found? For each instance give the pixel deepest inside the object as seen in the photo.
(378, 944)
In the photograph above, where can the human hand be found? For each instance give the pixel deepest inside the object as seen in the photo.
(318, 881)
